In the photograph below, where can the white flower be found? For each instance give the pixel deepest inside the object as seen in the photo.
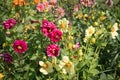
(46, 67)
(115, 26)
(114, 34)
(114, 31)
(63, 24)
(89, 32)
(67, 66)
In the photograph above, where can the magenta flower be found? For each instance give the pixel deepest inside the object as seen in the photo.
(40, 7)
(9, 23)
(7, 57)
(53, 50)
(47, 27)
(76, 46)
(55, 35)
(20, 46)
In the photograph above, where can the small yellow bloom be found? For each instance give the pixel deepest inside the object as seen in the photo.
(96, 24)
(93, 40)
(102, 18)
(1, 76)
(79, 16)
(46, 10)
(102, 13)
(85, 15)
(93, 17)
(70, 37)
(80, 53)
(70, 46)
(44, 0)
(4, 45)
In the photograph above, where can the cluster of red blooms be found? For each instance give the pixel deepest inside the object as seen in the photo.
(20, 46)
(50, 30)
(9, 23)
(6, 57)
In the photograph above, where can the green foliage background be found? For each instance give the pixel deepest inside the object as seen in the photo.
(103, 66)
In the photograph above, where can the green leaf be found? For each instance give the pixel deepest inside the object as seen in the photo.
(103, 76)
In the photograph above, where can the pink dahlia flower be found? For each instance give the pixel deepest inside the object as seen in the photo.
(46, 4)
(9, 23)
(87, 3)
(47, 27)
(52, 2)
(55, 35)
(76, 7)
(40, 7)
(60, 12)
(20, 46)
(53, 50)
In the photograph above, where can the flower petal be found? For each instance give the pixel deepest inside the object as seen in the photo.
(42, 70)
(41, 63)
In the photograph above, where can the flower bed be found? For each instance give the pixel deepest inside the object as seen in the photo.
(59, 40)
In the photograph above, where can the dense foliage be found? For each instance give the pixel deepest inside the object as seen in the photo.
(60, 40)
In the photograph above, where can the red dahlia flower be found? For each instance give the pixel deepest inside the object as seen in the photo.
(9, 23)
(60, 12)
(40, 7)
(47, 27)
(20, 46)
(7, 57)
(53, 50)
(55, 35)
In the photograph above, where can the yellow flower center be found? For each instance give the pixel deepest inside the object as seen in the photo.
(19, 47)
(53, 51)
(45, 66)
(68, 65)
(1, 76)
(90, 31)
(49, 30)
(112, 30)
(62, 25)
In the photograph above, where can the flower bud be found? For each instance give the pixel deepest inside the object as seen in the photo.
(93, 40)
(70, 37)
(96, 24)
(80, 53)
